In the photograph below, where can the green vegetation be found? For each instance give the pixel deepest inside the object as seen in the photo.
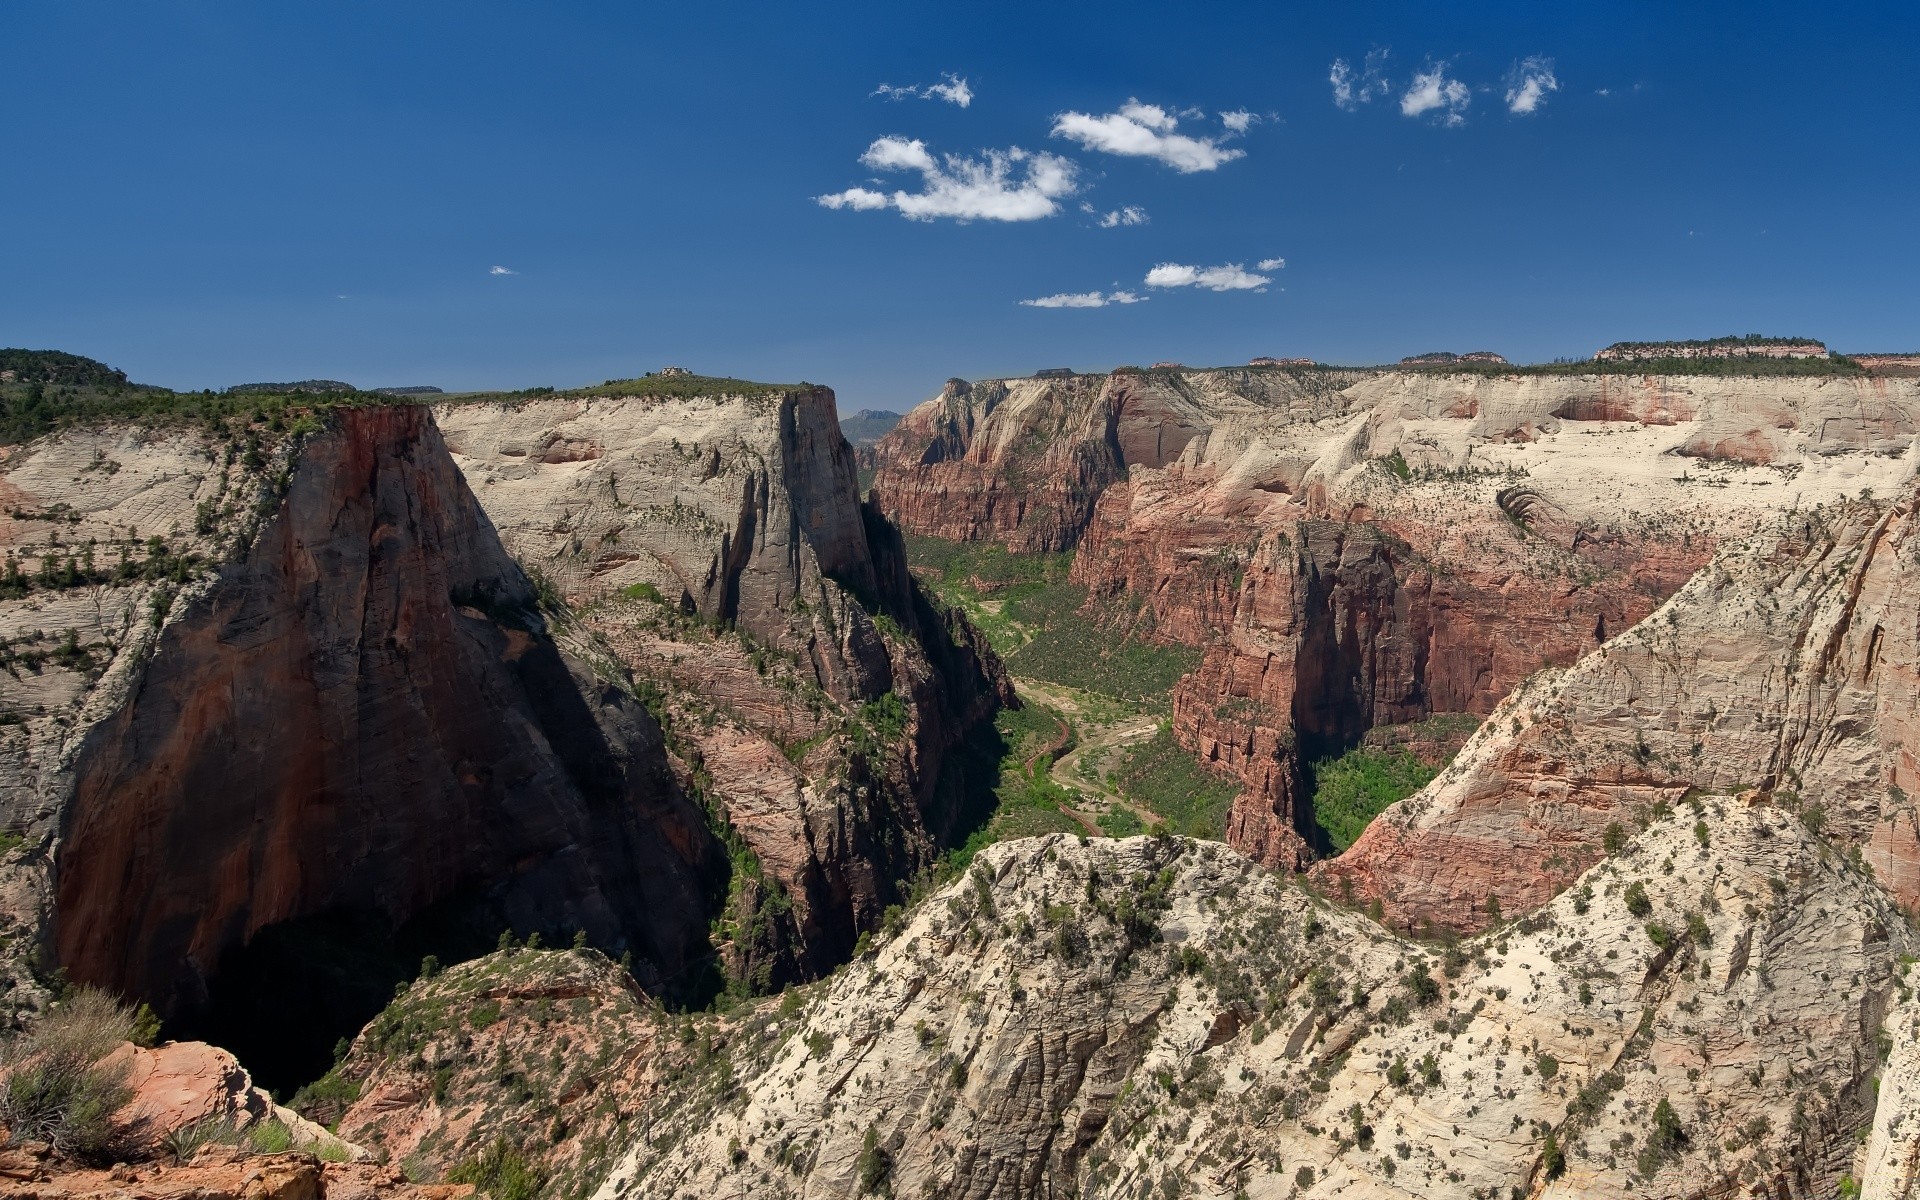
(270, 1137)
(1067, 646)
(1001, 788)
(1162, 776)
(57, 1087)
(501, 1172)
(680, 387)
(52, 390)
(1835, 365)
(1041, 624)
(1353, 789)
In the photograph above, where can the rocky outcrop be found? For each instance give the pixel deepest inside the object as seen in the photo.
(551, 1052)
(359, 732)
(218, 1173)
(1113, 1018)
(1787, 666)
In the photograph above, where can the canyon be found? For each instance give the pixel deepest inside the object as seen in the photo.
(571, 790)
(1353, 549)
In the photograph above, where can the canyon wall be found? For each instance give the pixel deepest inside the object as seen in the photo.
(1357, 548)
(1788, 667)
(284, 711)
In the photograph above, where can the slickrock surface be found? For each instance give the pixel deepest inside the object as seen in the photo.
(1357, 548)
(1117, 1017)
(180, 1085)
(717, 546)
(1788, 665)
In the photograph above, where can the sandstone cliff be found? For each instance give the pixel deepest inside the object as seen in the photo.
(1787, 665)
(1359, 548)
(354, 732)
(284, 712)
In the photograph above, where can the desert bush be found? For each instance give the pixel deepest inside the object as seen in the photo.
(500, 1172)
(57, 1088)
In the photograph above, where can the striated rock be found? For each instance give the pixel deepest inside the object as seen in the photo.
(1115, 1018)
(1787, 666)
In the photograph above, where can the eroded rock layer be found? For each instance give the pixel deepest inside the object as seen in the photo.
(1787, 665)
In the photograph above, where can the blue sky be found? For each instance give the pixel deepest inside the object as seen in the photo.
(208, 193)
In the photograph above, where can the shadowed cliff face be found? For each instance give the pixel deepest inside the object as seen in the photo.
(338, 736)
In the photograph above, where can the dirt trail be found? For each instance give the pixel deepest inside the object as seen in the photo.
(1095, 738)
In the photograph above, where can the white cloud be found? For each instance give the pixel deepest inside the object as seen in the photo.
(1529, 83)
(953, 91)
(501, 271)
(1084, 299)
(1271, 264)
(1432, 90)
(1131, 214)
(857, 198)
(1350, 90)
(1000, 185)
(1238, 121)
(1144, 131)
(1232, 277)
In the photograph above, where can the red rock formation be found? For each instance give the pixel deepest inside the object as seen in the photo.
(364, 717)
(1787, 670)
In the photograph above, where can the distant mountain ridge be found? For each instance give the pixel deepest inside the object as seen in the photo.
(869, 425)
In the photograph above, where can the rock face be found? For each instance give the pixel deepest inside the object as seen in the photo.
(363, 717)
(1120, 1017)
(1353, 549)
(1790, 665)
(718, 547)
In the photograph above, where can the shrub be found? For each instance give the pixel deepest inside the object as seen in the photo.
(1421, 985)
(1614, 840)
(57, 1090)
(1636, 899)
(500, 1172)
(1552, 1161)
(1548, 1065)
(875, 1163)
(270, 1137)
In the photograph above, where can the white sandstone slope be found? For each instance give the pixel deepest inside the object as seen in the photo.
(1701, 1014)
